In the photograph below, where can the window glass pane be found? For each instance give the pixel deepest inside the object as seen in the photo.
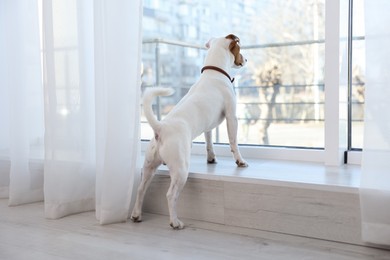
(280, 92)
(358, 73)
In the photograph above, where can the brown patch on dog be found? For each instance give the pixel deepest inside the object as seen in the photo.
(235, 48)
(233, 37)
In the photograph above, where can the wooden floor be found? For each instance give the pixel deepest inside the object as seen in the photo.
(26, 234)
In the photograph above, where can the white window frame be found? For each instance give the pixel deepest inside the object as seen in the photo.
(335, 93)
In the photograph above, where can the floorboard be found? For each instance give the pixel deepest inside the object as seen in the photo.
(26, 234)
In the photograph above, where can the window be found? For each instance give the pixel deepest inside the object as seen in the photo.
(281, 91)
(357, 68)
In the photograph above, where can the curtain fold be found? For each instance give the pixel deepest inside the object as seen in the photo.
(21, 104)
(69, 107)
(69, 114)
(375, 181)
(92, 67)
(118, 80)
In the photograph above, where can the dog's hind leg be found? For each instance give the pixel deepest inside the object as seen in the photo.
(152, 161)
(210, 149)
(178, 180)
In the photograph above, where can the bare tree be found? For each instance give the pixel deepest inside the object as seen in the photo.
(269, 80)
(298, 65)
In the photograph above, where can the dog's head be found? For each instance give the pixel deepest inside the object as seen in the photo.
(232, 44)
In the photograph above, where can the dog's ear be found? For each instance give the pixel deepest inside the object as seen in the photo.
(208, 44)
(234, 47)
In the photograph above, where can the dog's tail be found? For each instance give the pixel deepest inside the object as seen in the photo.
(149, 95)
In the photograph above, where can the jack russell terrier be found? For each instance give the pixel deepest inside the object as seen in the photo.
(208, 102)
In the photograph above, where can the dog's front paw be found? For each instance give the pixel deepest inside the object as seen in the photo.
(242, 163)
(177, 224)
(212, 161)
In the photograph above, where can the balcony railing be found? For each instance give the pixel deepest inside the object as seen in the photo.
(262, 100)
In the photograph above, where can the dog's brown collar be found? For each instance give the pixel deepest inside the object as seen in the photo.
(217, 69)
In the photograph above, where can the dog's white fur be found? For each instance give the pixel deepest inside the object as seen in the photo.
(204, 107)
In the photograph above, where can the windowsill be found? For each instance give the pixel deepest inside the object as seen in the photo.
(307, 175)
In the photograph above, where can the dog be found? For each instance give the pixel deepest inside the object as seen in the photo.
(208, 102)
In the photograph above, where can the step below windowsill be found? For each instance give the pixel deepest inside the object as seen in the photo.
(295, 198)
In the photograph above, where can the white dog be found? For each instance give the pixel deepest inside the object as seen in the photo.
(204, 107)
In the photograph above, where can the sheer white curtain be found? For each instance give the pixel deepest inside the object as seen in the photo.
(375, 182)
(88, 101)
(118, 80)
(21, 103)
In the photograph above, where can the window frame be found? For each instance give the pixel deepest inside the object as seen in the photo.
(335, 151)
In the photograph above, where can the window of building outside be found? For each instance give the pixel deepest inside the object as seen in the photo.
(280, 92)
